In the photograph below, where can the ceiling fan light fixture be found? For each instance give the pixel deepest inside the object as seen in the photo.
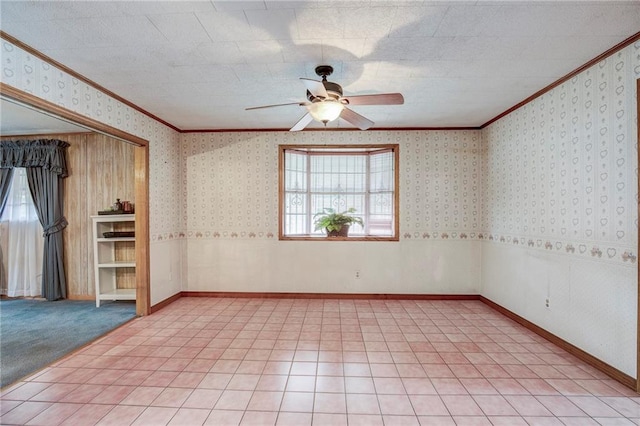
(325, 111)
(326, 103)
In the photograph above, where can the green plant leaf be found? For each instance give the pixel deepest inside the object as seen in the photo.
(330, 220)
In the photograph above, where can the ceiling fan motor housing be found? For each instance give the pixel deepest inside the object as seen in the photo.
(334, 89)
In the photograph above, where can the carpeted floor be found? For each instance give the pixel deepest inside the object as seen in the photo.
(34, 333)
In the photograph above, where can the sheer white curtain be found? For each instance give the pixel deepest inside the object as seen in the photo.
(22, 241)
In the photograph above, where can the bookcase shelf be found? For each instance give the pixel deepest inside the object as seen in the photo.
(114, 258)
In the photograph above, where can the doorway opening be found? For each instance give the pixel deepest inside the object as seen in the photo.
(140, 177)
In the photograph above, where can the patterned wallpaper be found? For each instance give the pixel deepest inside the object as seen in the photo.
(232, 184)
(561, 170)
(32, 75)
(441, 184)
(232, 181)
(570, 171)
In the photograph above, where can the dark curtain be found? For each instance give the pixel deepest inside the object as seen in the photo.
(5, 184)
(45, 161)
(46, 192)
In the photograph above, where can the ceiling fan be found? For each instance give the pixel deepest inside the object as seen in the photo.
(326, 102)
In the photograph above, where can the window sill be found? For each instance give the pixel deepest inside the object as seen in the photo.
(319, 238)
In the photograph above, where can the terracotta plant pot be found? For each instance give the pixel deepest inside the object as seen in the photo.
(342, 232)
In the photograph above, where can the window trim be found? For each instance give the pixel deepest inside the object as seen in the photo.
(326, 149)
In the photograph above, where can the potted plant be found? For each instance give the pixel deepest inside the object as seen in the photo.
(334, 223)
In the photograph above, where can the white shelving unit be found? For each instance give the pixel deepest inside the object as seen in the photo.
(105, 262)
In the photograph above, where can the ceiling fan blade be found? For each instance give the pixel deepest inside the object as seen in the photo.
(381, 99)
(356, 119)
(302, 123)
(277, 105)
(315, 87)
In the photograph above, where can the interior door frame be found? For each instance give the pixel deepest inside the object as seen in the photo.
(638, 235)
(141, 173)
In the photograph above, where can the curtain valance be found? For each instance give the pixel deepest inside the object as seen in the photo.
(49, 154)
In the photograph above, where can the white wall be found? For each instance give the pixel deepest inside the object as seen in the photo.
(32, 75)
(592, 302)
(232, 218)
(560, 210)
(410, 267)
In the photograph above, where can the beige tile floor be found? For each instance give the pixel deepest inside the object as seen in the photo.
(224, 361)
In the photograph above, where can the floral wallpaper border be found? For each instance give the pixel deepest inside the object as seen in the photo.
(584, 249)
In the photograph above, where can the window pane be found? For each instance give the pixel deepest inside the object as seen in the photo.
(296, 213)
(296, 181)
(338, 173)
(382, 174)
(19, 207)
(296, 171)
(381, 214)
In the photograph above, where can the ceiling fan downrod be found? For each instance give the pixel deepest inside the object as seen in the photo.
(324, 71)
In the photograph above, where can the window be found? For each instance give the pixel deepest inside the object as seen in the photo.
(364, 178)
(19, 207)
(21, 241)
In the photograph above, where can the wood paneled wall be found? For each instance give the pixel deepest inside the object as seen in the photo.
(101, 169)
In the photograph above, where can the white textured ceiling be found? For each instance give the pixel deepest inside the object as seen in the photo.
(16, 119)
(198, 64)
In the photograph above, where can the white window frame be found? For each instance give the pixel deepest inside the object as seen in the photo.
(339, 150)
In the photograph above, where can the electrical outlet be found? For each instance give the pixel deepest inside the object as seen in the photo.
(547, 304)
(357, 275)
